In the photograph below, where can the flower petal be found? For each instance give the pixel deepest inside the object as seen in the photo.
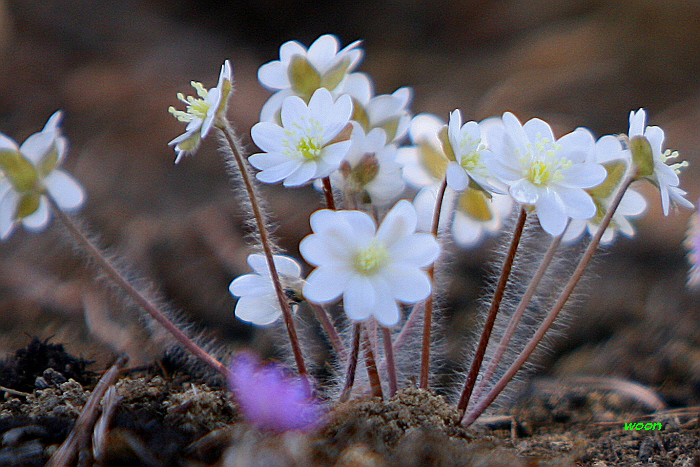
(65, 190)
(408, 285)
(359, 298)
(325, 284)
(399, 222)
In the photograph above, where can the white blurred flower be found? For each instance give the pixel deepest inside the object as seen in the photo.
(310, 143)
(548, 174)
(300, 72)
(258, 302)
(474, 217)
(202, 113)
(470, 155)
(610, 153)
(646, 145)
(386, 111)
(371, 268)
(370, 169)
(424, 163)
(30, 174)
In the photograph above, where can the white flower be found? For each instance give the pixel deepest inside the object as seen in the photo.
(544, 172)
(387, 111)
(258, 302)
(300, 72)
(475, 215)
(610, 153)
(202, 113)
(30, 173)
(424, 163)
(371, 268)
(643, 138)
(370, 169)
(470, 155)
(308, 145)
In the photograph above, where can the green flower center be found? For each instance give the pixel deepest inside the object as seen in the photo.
(371, 258)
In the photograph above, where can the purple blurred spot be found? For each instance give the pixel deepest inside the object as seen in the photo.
(270, 398)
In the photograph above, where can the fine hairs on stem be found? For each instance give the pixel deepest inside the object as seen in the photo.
(237, 154)
(152, 310)
(517, 316)
(566, 292)
(428, 314)
(493, 312)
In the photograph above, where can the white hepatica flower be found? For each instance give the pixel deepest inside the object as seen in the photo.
(308, 145)
(370, 168)
(371, 268)
(30, 174)
(202, 113)
(475, 215)
(610, 153)
(258, 302)
(470, 155)
(646, 144)
(545, 173)
(386, 111)
(300, 72)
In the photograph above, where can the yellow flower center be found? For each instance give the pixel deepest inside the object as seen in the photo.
(196, 108)
(371, 258)
(542, 165)
(309, 147)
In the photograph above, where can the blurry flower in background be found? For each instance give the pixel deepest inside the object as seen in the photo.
(270, 398)
(202, 113)
(386, 111)
(300, 72)
(371, 268)
(424, 163)
(258, 302)
(646, 144)
(309, 144)
(30, 173)
(610, 153)
(692, 243)
(475, 215)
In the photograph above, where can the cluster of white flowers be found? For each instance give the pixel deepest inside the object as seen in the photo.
(324, 122)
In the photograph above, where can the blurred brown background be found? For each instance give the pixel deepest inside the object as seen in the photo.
(115, 67)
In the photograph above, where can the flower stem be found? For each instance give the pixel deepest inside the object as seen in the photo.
(482, 405)
(390, 363)
(328, 192)
(327, 324)
(352, 363)
(517, 316)
(371, 364)
(493, 311)
(133, 293)
(237, 153)
(428, 315)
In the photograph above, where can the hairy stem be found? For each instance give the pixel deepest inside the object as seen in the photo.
(327, 324)
(352, 363)
(153, 311)
(517, 316)
(482, 405)
(371, 364)
(390, 363)
(237, 153)
(493, 311)
(428, 315)
(328, 192)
